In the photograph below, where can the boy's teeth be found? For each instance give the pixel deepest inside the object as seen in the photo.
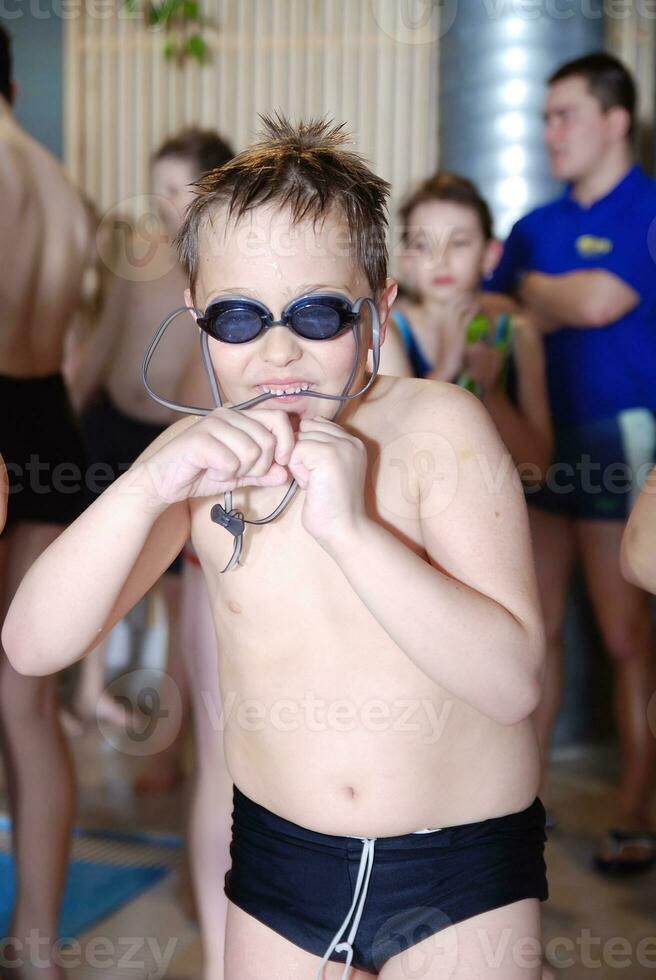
(287, 391)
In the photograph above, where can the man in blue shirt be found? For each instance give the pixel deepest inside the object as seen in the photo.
(584, 267)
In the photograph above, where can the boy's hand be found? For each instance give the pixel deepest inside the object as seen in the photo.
(330, 465)
(221, 452)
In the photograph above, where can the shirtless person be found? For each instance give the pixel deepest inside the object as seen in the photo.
(120, 419)
(396, 589)
(44, 246)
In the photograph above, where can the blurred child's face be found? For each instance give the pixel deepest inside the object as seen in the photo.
(171, 179)
(264, 256)
(446, 253)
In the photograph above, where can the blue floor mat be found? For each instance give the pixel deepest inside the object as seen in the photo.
(95, 888)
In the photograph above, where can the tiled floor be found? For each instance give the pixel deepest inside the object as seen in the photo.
(585, 910)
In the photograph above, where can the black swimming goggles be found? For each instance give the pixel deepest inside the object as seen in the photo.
(316, 316)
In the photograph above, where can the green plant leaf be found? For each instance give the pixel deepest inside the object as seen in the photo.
(196, 47)
(153, 15)
(190, 10)
(169, 49)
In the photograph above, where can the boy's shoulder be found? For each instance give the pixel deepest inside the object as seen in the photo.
(441, 438)
(414, 405)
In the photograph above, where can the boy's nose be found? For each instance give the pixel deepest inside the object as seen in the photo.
(280, 346)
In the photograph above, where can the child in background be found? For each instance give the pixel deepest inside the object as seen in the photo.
(440, 332)
(120, 420)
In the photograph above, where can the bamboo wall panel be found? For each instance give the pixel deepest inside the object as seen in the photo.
(353, 60)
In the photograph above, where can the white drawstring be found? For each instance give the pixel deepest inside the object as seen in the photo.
(359, 898)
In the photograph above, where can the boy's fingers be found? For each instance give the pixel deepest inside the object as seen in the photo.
(319, 425)
(276, 477)
(278, 423)
(254, 450)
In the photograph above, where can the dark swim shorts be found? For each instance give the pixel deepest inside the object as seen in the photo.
(599, 467)
(113, 442)
(370, 899)
(43, 451)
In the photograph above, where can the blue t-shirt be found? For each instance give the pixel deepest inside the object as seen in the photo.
(594, 372)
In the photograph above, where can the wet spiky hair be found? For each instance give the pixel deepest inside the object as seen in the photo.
(303, 167)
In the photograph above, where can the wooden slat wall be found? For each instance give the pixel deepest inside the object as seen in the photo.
(306, 57)
(632, 38)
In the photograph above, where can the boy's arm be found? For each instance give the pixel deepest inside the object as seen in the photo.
(468, 615)
(98, 568)
(526, 428)
(587, 298)
(638, 555)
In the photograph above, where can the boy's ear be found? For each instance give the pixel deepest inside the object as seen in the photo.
(189, 303)
(385, 304)
(492, 256)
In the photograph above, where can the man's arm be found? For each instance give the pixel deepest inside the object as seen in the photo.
(495, 304)
(468, 617)
(587, 298)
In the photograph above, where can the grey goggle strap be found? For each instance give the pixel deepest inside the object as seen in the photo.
(233, 520)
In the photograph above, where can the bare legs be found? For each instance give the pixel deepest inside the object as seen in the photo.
(211, 806)
(164, 770)
(40, 777)
(623, 615)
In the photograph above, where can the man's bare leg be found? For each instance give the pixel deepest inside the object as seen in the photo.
(211, 805)
(41, 777)
(554, 551)
(623, 614)
(165, 770)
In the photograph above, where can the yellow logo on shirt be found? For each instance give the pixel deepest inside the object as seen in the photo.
(590, 245)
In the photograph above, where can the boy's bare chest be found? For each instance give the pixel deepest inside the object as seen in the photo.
(286, 581)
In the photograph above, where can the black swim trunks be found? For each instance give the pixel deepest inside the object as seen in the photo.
(113, 441)
(41, 444)
(388, 893)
